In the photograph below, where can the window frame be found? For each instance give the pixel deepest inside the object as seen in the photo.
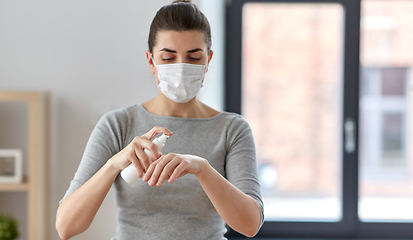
(350, 225)
(397, 105)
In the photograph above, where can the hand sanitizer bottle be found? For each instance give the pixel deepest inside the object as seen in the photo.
(130, 174)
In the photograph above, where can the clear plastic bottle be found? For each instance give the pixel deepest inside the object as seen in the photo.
(130, 174)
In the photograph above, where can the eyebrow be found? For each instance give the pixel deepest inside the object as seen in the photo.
(167, 50)
(195, 50)
(173, 51)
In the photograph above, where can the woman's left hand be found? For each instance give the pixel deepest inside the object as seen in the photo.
(173, 166)
(240, 211)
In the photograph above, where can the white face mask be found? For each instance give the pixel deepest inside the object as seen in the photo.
(180, 82)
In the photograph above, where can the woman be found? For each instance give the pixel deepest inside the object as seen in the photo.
(209, 177)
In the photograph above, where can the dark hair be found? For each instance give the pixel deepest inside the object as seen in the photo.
(179, 16)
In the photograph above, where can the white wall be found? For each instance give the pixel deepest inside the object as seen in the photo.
(90, 57)
(213, 91)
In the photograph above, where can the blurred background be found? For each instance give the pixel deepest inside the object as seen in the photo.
(292, 97)
(89, 56)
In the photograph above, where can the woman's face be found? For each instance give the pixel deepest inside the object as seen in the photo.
(179, 47)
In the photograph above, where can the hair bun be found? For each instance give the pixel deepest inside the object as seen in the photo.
(182, 1)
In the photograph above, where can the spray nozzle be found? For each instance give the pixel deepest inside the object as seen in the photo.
(162, 139)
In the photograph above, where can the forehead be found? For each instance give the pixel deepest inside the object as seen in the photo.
(180, 41)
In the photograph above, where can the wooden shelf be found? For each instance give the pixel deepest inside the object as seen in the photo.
(14, 187)
(37, 162)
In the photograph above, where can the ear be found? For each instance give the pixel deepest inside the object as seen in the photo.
(150, 62)
(209, 59)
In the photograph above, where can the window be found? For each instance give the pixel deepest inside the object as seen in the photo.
(386, 169)
(289, 110)
(328, 134)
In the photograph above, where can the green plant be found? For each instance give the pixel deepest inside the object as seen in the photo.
(8, 228)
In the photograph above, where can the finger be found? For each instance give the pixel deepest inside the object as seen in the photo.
(136, 145)
(158, 170)
(153, 150)
(155, 130)
(150, 170)
(142, 157)
(177, 173)
(136, 163)
(155, 174)
(167, 171)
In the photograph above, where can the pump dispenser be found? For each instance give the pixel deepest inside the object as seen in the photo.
(129, 174)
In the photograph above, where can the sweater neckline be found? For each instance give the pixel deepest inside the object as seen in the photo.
(142, 109)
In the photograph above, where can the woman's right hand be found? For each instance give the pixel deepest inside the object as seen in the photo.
(134, 152)
(76, 212)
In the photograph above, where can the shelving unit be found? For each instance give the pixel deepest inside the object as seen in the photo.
(14, 187)
(35, 184)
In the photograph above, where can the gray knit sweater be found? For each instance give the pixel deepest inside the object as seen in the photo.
(180, 210)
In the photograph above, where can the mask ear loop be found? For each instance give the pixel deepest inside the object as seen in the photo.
(154, 63)
(202, 83)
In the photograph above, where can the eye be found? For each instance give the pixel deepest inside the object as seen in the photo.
(167, 59)
(194, 59)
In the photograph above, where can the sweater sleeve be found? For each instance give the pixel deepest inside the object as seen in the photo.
(104, 142)
(241, 167)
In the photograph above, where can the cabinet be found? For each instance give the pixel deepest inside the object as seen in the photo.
(35, 183)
